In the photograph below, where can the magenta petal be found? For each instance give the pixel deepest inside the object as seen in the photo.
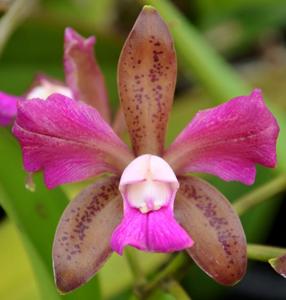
(83, 74)
(228, 140)
(8, 108)
(131, 231)
(68, 140)
(156, 231)
(165, 234)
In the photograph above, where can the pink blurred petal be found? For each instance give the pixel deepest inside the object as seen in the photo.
(156, 231)
(228, 140)
(8, 108)
(83, 74)
(41, 87)
(68, 140)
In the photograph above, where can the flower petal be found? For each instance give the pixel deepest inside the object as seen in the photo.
(82, 240)
(8, 108)
(146, 81)
(156, 231)
(227, 140)
(220, 245)
(279, 265)
(83, 74)
(68, 140)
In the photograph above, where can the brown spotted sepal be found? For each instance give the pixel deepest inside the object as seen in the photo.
(219, 242)
(82, 240)
(147, 73)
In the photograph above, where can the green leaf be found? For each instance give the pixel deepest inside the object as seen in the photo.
(36, 214)
(18, 280)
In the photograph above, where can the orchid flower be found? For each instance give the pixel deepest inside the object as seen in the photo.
(84, 80)
(147, 200)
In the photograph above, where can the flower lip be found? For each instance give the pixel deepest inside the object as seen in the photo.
(148, 187)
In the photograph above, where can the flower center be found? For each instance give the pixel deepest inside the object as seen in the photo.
(148, 183)
(148, 195)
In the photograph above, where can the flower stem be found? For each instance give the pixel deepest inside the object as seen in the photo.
(16, 14)
(181, 260)
(263, 253)
(266, 191)
(134, 265)
(176, 290)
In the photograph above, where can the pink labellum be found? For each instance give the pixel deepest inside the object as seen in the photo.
(227, 140)
(148, 187)
(156, 231)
